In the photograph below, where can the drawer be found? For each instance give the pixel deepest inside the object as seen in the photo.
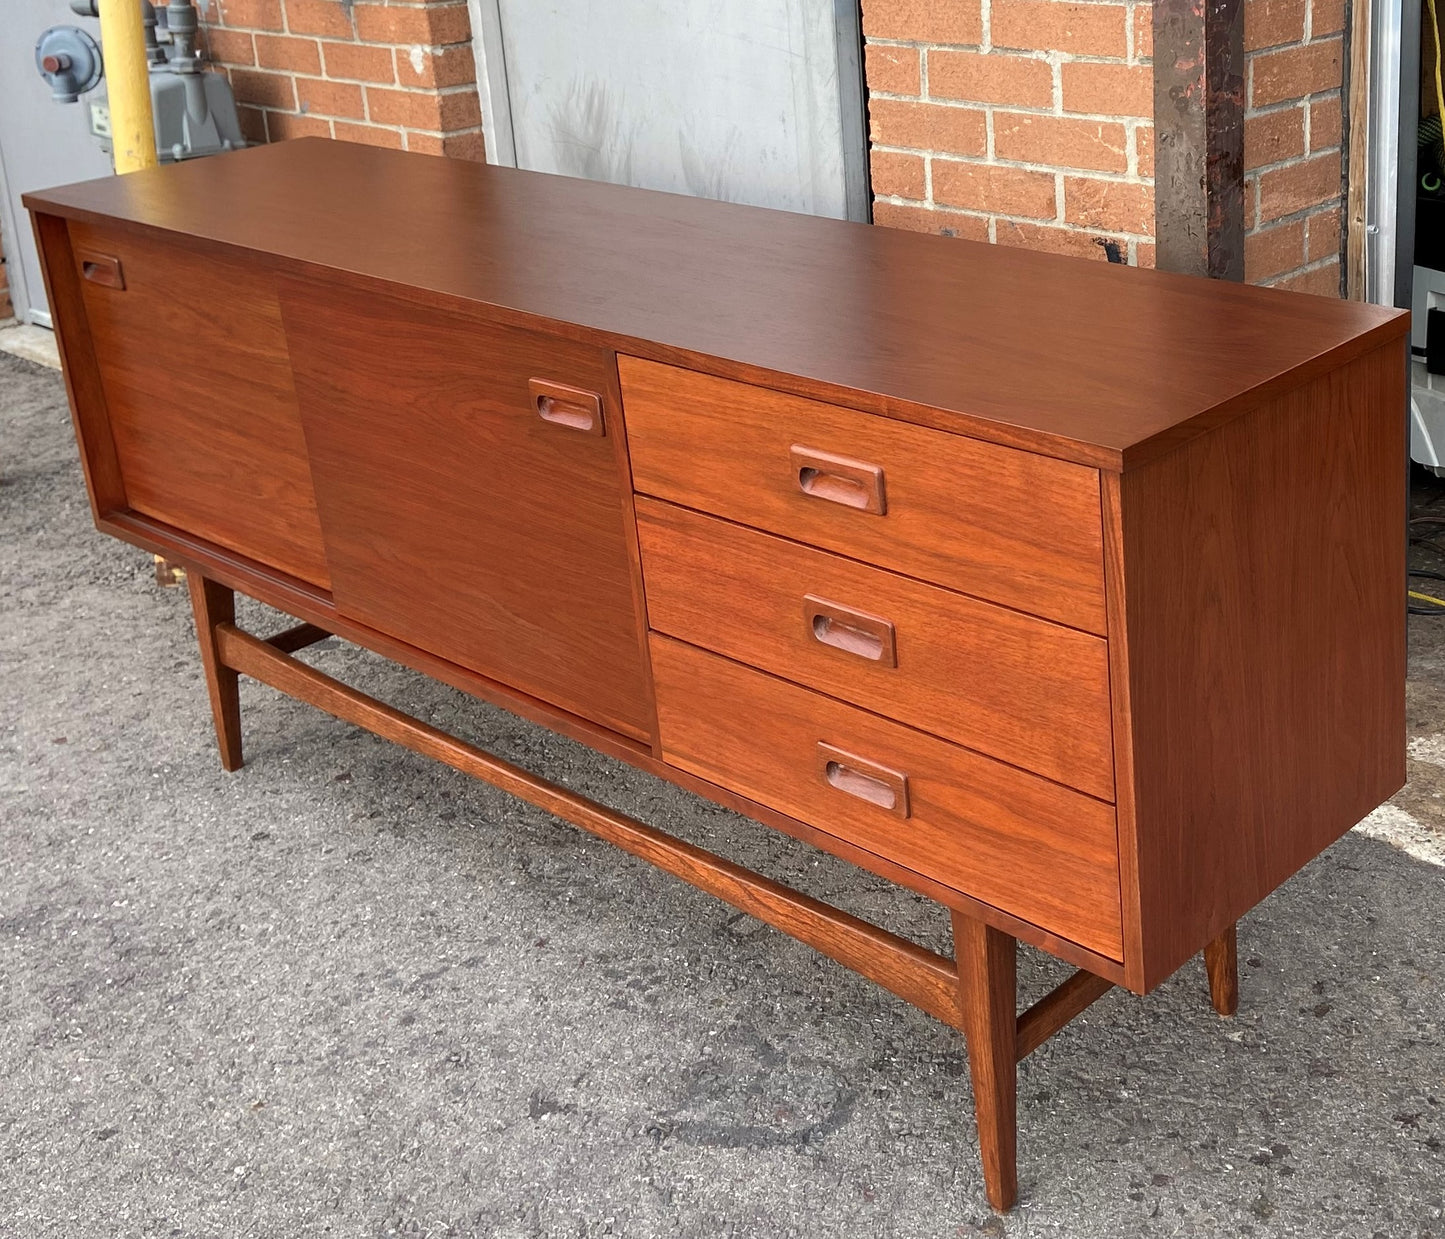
(198, 393)
(1019, 688)
(1039, 851)
(993, 521)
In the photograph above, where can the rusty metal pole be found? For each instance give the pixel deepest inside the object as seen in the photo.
(1199, 130)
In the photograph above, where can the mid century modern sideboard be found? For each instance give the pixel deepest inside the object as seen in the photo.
(1069, 595)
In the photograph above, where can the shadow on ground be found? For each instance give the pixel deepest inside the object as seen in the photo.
(348, 992)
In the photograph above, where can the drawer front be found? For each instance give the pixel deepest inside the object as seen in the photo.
(473, 495)
(992, 521)
(1016, 687)
(1025, 845)
(198, 393)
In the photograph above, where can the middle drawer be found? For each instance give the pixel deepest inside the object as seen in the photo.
(1018, 688)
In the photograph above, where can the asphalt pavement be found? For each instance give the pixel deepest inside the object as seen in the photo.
(349, 992)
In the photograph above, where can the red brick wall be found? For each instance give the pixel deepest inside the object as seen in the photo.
(1022, 122)
(1030, 122)
(394, 73)
(1292, 156)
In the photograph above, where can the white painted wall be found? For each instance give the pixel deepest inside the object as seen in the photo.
(42, 143)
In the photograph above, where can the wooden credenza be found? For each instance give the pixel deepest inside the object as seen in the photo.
(1068, 595)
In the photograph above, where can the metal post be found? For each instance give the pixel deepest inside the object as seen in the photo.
(1199, 126)
(122, 40)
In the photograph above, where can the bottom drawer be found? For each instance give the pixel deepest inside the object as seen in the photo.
(1032, 848)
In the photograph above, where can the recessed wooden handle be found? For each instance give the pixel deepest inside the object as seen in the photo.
(838, 479)
(854, 632)
(563, 405)
(102, 269)
(863, 779)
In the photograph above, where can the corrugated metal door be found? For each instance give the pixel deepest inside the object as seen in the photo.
(756, 101)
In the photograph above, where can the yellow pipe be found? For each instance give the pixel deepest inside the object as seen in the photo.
(132, 126)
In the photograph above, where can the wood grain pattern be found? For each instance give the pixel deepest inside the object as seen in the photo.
(297, 637)
(928, 981)
(198, 390)
(1221, 963)
(458, 519)
(316, 607)
(1037, 850)
(103, 481)
(872, 509)
(975, 992)
(990, 521)
(212, 604)
(100, 268)
(1118, 363)
(612, 406)
(1056, 1008)
(987, 964)
(1265, 649)
(1021, 689)
(1116, 601)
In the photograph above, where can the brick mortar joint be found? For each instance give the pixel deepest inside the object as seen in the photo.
(1334, 36)
(1295, 161)
(1309, 268)
(354, 40)
(1056, 224)
(1303, 102)
(1129, 60)
(1047, 55)
(1302, 216)
(430, 49)
(972, 105)
(1051, 169)
(306, 75)
(930, 152)
(1088, 174)
(447, 133)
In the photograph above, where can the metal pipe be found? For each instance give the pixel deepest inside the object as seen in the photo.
(184, 58)
(132, 124)
(154, 55)
(182, 23)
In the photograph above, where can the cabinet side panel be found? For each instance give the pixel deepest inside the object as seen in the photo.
(82, 375)
(1265, 568)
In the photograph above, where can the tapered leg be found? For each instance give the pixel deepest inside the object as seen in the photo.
(213, 604)
(1221, 961)
(987, 992)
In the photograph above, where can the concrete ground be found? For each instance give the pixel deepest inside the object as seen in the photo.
(30, 342)
(348, 992)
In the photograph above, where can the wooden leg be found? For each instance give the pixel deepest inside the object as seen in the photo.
(1221, 961)
(987, 996)
(212, 604)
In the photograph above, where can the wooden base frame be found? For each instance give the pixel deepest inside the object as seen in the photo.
(974, 992)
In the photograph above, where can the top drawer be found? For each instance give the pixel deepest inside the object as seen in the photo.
(993, 521)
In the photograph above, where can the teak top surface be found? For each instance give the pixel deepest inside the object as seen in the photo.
(1086, 360)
